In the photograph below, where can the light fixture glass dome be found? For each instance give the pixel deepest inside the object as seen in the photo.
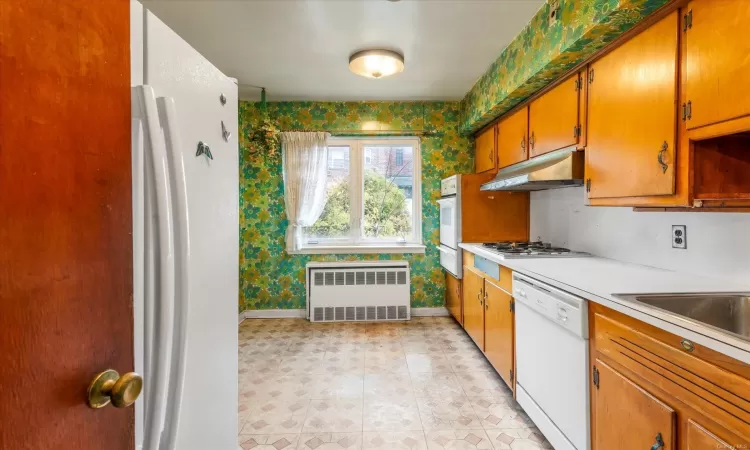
(376, 63)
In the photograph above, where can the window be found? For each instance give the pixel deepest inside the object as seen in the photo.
(372, 198)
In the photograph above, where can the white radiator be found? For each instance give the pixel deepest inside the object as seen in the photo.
(358, 291)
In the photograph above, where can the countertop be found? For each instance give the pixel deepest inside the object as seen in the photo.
(596, 279)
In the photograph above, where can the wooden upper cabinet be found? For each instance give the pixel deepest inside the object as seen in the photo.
(513, 138)
(718, 66)
(626, 417)
(632, 116)
(453, 297)
(474, 305)
(486, 150)
(498, 330)
(553, 118)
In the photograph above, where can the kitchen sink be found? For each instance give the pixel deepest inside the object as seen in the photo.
(727, 312)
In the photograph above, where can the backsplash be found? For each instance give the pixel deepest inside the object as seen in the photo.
(270, 278)
(718, 244)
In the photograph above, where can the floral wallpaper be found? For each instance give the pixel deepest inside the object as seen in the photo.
(272, 279)
(543, 52)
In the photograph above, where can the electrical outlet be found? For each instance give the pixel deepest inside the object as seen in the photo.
(679, 236)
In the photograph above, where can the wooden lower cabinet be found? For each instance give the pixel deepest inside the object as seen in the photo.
(474, 305)
(700, 438)
(453, 301)
(652, 390)
(499, 330)
(489, 316)
(626, 416)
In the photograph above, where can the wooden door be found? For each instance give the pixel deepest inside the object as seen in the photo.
(65, 221)
(513, 138)
(553, 118)
(453, 297)
(486, 152)
(632, 116)
(474, 305)
(718, 67)
(498, 330)
(627, 417)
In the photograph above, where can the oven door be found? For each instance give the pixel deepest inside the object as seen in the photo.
(450, 259)
(448, 222)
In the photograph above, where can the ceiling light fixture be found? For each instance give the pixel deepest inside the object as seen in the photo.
(376, 63)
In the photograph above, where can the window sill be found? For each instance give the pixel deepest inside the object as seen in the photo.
(360, 249)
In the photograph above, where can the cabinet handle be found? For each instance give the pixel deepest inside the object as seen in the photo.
(687, 345)
(490, 155)
(532, 140)
(659, 442)
(660, 157)
(523, 145)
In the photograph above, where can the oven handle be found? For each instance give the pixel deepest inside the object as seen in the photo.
(445, 250)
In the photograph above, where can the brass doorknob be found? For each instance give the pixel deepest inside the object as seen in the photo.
(109, 386)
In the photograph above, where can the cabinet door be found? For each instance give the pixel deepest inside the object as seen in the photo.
(698, 438)
(632, 116)
(484, 158)
(512, 138)
(498, 330)
(474, 305)
(718, 67)
(453, 296)
(626, 417)
(553, 118)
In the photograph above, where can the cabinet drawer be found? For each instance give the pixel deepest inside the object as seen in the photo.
(717, 389)
(500, 275)
(485, 265)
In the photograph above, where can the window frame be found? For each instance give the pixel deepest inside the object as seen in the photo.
(357, 242)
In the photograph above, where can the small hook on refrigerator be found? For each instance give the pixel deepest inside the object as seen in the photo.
(223, 99)
(224, 133)
(204, 149)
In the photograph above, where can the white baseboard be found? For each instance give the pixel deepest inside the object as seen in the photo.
(430, 312)
(301, 313)
(241, 317)
(275, 313)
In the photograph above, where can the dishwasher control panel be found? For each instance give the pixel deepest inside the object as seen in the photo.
(565, 309)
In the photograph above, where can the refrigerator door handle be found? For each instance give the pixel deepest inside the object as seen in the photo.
(178, 358)
(157, 385)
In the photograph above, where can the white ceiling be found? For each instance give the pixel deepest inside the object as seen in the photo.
(299, 49)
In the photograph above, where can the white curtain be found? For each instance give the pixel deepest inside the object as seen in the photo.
(305, 159)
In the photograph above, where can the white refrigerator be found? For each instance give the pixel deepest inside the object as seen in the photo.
(186, 241)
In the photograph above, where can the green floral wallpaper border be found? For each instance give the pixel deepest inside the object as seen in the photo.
(270, 278)
(541, 53)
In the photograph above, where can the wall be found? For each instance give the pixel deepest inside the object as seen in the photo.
(542, 52)
(718, 244)
(272, 279)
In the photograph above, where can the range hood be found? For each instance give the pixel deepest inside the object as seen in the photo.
(558, 169)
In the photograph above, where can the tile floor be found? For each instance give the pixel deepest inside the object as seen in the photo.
(420, 384)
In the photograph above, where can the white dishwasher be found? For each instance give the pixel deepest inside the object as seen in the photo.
(552, 360)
